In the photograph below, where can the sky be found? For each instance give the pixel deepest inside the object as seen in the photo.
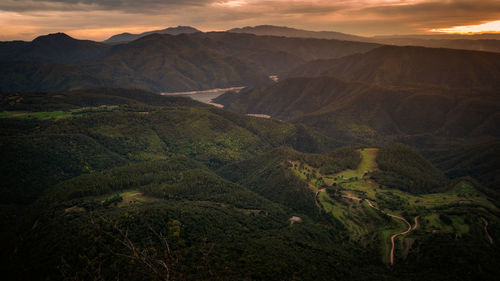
(99, 19)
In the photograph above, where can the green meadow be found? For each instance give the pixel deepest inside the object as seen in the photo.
(57, 114)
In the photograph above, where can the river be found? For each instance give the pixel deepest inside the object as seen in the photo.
(205, 96)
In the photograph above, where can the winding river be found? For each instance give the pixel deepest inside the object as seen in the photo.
(205, 96)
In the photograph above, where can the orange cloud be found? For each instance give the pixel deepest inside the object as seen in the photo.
(97, 20)
(489, 27)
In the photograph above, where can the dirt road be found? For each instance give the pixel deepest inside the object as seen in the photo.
(393, 237)
(316, 198)
(350, 196)
(416, 223)
(486, 230)
(397, 234)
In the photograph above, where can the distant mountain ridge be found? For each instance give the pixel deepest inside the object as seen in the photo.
(412, 66)
(293, 32)
(128, 37)
(486, 45)
(444, 36)
(477, 42)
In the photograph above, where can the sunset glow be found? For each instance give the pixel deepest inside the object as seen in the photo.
(97, 20)
(233, 3)
(490, 27)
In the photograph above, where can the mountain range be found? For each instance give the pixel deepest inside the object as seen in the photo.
(293, 32)
(478, 42)
(128, 37)
(410, 66)
(161, 62)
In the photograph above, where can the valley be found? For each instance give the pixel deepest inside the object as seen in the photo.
(256, 153)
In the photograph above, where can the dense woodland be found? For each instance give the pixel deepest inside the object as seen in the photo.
(404, 168)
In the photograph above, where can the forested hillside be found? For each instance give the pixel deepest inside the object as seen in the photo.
(404, 168)
(42, 76)
(279, 55)
(160, 62)
(56, 47)
(480, 161)
(412, 66)
(97, 129)
(365, 113)
(269, 175)
(86, 156)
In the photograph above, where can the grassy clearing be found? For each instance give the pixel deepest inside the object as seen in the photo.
(368, 162)
(121, 199)
(463, 194)
(135, 196)
(367, 165)
(365, 188)
(35, 115)
(359, 218)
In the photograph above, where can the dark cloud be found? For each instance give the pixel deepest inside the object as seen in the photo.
(135, 6)
(438, 13)
(364, 17)
(297, 7)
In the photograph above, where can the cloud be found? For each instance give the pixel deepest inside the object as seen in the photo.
(485, 27)
(129, 6)
(101, 18)
(438, 14)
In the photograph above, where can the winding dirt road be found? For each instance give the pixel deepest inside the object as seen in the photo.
(393, 237)
(410, 228)
(316, 198)
(486, 230)
(416, 223)
(350, 196)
